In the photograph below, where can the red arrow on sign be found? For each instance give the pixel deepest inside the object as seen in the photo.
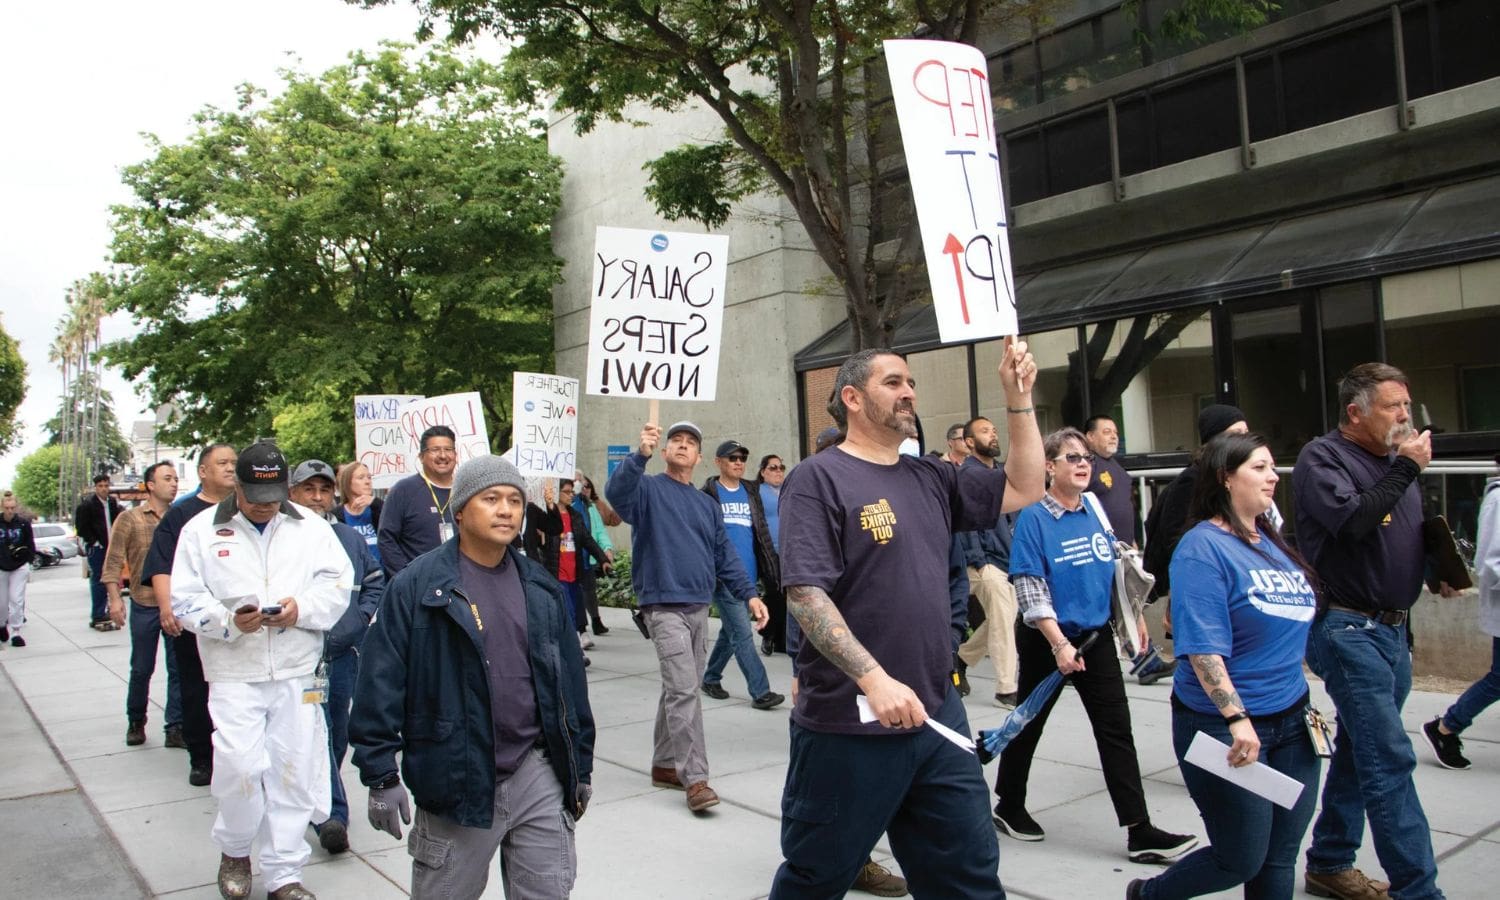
(953, 248)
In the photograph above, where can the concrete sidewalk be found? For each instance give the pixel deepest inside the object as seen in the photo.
(81, 814)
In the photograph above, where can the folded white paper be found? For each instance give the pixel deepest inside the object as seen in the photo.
(866, 714)
(1212, 756)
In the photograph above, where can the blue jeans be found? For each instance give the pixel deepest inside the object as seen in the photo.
(343, 672)
(737, 639)
(1254, 841)
(98, 596)
(1366, 669)
(843, 790)
(145, 633)
(1478, 697)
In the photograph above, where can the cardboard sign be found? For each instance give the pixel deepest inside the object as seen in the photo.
(461, 412)
(545, 414)
(657, 310)
(942, 96)
(378, 440)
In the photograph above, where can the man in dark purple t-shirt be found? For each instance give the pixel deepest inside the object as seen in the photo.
(866, 535)
(1109, 481)
(1359, 525)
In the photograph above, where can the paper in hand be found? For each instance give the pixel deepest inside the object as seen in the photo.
(866, 714)
(1212, 756)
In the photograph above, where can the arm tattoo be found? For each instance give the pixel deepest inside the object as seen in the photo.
(1215, 680)
(824, 625)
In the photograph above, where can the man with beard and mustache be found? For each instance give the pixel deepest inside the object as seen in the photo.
(866, 541)
(986, 553)
(1359, 525)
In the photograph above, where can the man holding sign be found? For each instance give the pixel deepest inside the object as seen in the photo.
(865, 550)
(680, 550)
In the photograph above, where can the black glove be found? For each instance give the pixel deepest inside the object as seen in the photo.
(582, 798)
(385, 804)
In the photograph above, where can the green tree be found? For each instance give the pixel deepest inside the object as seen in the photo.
(381, 228)
(318, 428)
(114, 450)
(36, 480)
(797, 85)
(12, 389)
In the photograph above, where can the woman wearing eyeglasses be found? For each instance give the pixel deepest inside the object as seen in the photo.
(1062, 567)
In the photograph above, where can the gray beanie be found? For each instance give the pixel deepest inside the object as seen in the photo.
(484, 472)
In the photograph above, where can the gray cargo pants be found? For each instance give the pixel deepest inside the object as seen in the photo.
(680, 635)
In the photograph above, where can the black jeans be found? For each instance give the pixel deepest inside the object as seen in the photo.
(1102, 691)
(197, 725)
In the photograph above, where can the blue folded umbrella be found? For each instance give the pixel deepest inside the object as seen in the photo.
(992, 741)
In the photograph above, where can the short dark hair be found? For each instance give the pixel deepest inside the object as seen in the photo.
(960, 427)
(101, 477)
(564, 483)
(766, 461)
(854, 372)
(1094, 420)
(1359, 384)
(969, 425)
(150, 475)
(436, 431)
(208, 450)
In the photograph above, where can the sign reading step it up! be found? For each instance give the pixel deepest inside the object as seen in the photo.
(942, 95)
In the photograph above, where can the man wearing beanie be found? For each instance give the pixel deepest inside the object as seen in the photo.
(472, 673)
(259, 580)
(679, 551)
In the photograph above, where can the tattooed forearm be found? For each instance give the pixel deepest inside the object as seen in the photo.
(824, 626)
(1209, 668)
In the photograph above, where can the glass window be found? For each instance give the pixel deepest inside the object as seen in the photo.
(1276, 380)
(1349, 332)
(942, 377)
(1195, 117)
(1026, 165)
(1441, 328)
(1078, 151)
(1468, 33)
(1340, 75)
(1155, 373)
(1052, 351)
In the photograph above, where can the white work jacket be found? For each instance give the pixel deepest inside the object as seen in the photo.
(223, 563)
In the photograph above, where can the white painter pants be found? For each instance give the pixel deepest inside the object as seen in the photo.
(270, 773)
(13, 595)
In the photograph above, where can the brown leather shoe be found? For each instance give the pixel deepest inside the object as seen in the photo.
(234, 877)
(1348, 884)
(701, 796)
(667, 778)
(293, 891)
(878, 880)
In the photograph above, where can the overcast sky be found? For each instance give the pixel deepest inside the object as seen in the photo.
(82, 81)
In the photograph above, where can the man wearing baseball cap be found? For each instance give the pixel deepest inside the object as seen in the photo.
(259, 580)
(472, 673)
(679, 552)
(312, 487)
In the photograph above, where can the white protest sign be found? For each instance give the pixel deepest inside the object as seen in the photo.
(378, 441)
(942, 96)
(545, 415)
(657, 310)
(461, 412)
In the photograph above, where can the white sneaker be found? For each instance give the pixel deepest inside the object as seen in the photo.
(585, 642)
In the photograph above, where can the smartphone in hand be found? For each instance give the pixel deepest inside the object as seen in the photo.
(270, 611)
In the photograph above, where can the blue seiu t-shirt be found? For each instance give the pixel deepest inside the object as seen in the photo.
(364, 524)
(735, 505)
(1074, 556)
(876, 538)
(1251, 608)
(770, 502)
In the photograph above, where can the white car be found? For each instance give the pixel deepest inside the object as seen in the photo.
(54, 543)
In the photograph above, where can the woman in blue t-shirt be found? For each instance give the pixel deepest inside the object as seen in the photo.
(1242, 604)
(360, 508)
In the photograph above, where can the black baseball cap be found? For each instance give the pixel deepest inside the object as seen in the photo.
(731, 446)
(262, 473)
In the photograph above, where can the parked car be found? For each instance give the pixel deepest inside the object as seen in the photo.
(54, 543)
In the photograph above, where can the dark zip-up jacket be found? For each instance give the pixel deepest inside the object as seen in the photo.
(88, 520)
(17, 545)
(767, 561)
(369, 585)
(584, 544)
(424, 693)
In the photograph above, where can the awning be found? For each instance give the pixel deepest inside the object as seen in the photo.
(1433, 227)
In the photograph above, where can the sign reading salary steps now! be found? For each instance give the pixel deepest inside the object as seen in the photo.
(545, 413)
(657, 310)
(942, 95)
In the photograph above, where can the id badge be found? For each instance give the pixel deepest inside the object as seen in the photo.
(1320, 732)
(318, 691)
(445, 531)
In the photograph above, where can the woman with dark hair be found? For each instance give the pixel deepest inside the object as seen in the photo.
(597, 515)
(1243, 602)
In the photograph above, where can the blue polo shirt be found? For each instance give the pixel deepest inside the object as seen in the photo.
(1072, 553)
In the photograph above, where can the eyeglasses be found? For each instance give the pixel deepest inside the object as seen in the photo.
(777, 467)
(955, 437)
(737, 459)
(440, 451)
(1075, 458)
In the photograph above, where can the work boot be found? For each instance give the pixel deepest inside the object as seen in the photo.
(135, 733)
(1347, 884)
(293, 891)
(700, 796)
(664, 777)
(200, 776)
(878, 880)
(960, 680)
(234, 877)
(768, 700)
(174, 739)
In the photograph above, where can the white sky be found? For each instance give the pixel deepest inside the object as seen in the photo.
(82, 81)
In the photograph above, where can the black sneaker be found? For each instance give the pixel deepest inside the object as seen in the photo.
(768, 700)
(4, 633)
(334, 836)
(174, 739)
(960, 676)
(1149, 844)
(767, 646)
(18, 641)
(200, 776)
(1446, 747)
(715, 691)
(1018, 824)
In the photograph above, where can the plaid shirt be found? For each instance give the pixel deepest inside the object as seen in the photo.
(128, 543)
(1033, 593)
